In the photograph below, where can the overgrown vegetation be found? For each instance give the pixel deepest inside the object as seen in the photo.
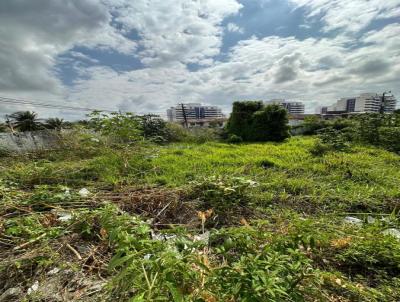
(119, 214)
(381, 130)
(252, 121)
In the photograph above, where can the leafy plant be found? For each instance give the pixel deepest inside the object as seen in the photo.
(224, 195)
(234, 139)
(333, 139)
(119, 127)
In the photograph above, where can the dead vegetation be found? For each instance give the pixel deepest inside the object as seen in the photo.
(164, 207)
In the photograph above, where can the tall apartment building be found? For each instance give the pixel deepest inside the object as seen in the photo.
(365, 103)
(291, 107)
(194, 111)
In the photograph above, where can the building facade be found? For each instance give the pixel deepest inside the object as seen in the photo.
(365, 103)
(291, 107)
(194, 112)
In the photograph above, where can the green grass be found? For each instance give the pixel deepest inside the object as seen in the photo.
(293, 244)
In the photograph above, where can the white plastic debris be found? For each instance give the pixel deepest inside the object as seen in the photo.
(162, 237)
(67, 193)
(64, 216)
(202, 237)
(393, 232)
(353, 220)
(33, 288)
(371, 219)
(53, 271)
(147, 256)
(96, 140)
(84, 192)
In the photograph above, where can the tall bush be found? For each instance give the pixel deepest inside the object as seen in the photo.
(390, 138)
(270, 124)
(154, 128)
(252, 121)
(240, 122)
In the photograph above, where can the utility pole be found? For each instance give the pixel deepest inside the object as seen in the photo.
(184, 115)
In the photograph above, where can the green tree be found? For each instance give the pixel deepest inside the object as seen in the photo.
(270, 124)
(25, 121)
(54, 123)
(240, 122)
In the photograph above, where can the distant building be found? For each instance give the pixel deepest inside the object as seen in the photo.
(365, 103)
(197, 115)
(193, 111)
(291, 107)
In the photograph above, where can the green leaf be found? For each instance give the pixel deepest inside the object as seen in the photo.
(117, 261)
(139, 298)
(175, 292)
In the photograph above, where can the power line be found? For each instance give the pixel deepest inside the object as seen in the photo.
(17, 102)
(12, 101)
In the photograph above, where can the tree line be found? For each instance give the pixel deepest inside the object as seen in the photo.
(28, 121)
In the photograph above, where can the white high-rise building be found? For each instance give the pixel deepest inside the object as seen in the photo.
(291, 107)
(365, 103)
(193, 111)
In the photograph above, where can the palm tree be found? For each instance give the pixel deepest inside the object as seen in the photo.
(55, 123)
(25, 121)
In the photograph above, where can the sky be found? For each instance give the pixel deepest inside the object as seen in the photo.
(147, 55)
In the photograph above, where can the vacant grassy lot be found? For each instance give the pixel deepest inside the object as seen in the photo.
(201, 222)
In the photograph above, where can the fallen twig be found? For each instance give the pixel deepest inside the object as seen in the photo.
(163, 209)
(29, 242)
(74, 251)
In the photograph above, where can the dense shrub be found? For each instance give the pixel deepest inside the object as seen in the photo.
(252, 121)
(379, 130)
(270, 124)
(372, 129)
(335, 139)
(368, 128)
(240, 122)
(234, 139)
(312, 124)
(154, 128)
(390, 138)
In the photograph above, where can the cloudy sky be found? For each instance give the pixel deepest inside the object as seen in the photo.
(146, 55)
